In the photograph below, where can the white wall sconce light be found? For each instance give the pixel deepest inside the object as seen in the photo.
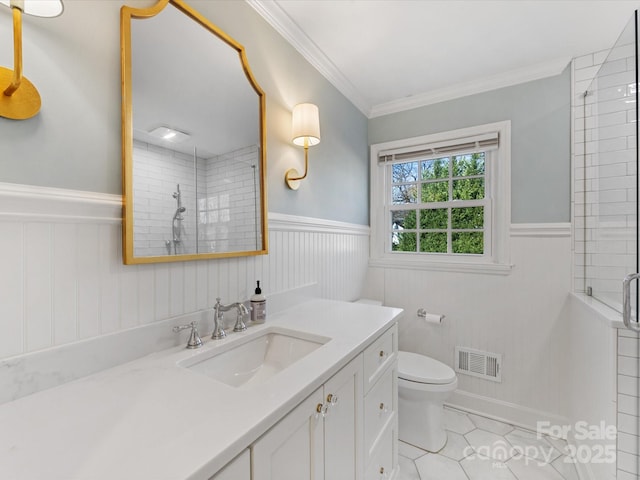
(20, 98)
(306, 133)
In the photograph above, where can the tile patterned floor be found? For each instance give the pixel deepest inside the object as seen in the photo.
(479, 448)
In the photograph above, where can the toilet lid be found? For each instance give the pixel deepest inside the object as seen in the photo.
(422, 369)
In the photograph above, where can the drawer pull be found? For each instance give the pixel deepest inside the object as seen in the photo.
(382, 353)
(332, 399)
(384, 408)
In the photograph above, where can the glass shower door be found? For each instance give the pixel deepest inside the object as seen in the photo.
(610, 176)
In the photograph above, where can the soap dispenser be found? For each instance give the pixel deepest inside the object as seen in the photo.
(258, 305)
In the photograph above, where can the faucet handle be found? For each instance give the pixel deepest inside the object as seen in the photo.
(194, 339)
(240, 326)
(218, 330)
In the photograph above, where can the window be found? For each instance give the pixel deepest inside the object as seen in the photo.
(438, 204)
(443, 200)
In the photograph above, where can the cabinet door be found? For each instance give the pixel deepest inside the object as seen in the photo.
(292, 449)
(237, 469)
(343, 446)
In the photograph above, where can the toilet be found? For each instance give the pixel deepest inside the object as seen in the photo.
(424, 384)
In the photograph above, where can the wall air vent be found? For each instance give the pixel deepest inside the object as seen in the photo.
(480, 364)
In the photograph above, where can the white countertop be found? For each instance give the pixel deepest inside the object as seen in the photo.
(152, 420)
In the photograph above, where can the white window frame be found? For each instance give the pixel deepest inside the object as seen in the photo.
(496, 258)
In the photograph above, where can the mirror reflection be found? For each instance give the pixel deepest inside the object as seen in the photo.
(194, 172)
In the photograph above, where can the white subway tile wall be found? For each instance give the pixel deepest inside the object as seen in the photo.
(228, 208)
(221, 209)
(605, 214)
(157, 172)
(63, 279)
(628, 403)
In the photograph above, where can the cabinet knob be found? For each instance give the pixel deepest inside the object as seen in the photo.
(332, 398)
(382, 353)
(383, 476)
(384, 408)
(322, 409)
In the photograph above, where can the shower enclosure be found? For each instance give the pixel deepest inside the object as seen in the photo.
(606, 224)
(194, 202)
(607, 205)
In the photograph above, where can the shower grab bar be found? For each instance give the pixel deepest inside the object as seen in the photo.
(626, 302)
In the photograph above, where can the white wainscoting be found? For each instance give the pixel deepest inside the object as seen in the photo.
(519, 315)
(63, 279)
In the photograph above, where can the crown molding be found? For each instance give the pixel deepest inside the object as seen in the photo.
(275, 16)
(292, 33)
(480, 85)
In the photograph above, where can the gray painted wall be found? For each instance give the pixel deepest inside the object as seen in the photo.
(74, 61)
(540, 139)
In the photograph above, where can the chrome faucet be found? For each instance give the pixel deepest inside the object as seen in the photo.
(218, 309)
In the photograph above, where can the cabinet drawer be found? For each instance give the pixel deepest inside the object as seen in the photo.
(380, 465)
(379, 408)
(379, 355)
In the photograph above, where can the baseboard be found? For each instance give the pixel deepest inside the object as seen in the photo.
(585, 469)
(507, 412)
(519, 416)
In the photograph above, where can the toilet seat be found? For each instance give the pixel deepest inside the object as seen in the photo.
(421, 369)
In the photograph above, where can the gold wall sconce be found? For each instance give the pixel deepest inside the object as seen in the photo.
(306, 133)
(20, 99)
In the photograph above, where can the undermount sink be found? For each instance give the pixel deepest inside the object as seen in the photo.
(257, 360)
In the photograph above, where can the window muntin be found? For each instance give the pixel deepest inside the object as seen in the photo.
(440, 205)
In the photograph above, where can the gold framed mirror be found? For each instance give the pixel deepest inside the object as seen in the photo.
(193, 140)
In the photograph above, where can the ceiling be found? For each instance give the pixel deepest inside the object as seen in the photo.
(393, 55)
(169, 88)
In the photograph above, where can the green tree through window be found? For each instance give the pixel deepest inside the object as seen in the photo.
(448, 216)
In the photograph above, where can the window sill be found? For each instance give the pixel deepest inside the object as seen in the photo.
(442, 266)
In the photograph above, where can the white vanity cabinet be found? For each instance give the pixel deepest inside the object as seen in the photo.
(319, 439)
(381, 407)
(237, 469)
(292, 449)
(345, 430)
(343, 422)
